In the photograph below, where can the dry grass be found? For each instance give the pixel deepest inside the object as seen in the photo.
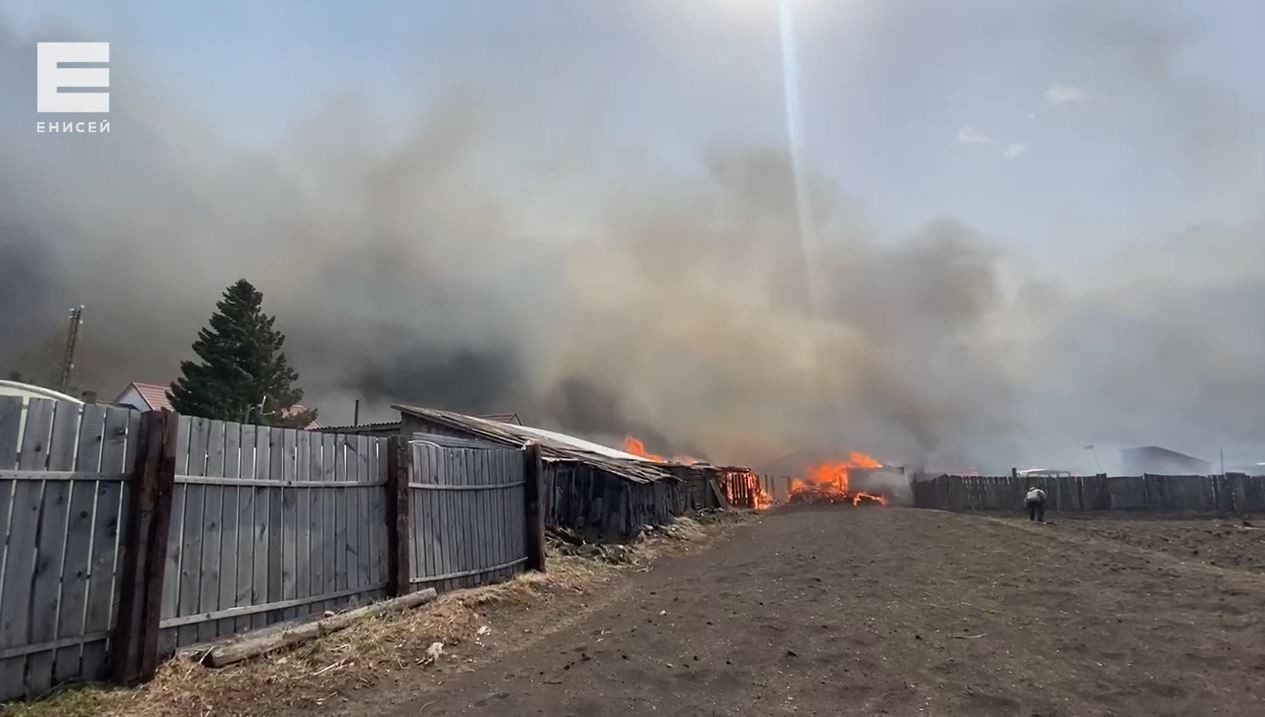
(371, 652)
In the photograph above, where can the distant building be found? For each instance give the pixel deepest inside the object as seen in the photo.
(153, 397)
(145, 397)
(1251, 469)
(1162, 461)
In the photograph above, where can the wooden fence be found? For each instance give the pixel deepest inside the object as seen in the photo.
(269, 524)
(129, 536)
(467, 498)
(65, 476)
(1231, 494)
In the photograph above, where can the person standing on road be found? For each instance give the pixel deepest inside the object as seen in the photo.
(1036, 504)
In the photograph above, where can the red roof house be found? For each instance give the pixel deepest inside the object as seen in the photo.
(153, 397)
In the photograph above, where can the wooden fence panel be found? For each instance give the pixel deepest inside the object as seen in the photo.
(118, 458)
(19, 563)
(1253, 494)
(51, 545)
(230, 519)
(269, 524)
(467, 506)
(75, 569)
(62, 472)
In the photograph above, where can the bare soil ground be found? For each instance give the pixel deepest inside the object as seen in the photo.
(1227, 543)
(818, 611)
(889, 611)
(384, 659)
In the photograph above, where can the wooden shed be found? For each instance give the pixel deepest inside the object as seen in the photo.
(588, 487)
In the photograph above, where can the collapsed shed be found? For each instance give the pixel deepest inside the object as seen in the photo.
(587, 486)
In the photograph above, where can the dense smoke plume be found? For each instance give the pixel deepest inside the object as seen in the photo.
(478, 264)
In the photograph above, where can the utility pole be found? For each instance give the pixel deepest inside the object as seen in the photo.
(72, 338)
(1093, 449)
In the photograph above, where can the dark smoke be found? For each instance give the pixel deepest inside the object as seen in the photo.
(601, 412)
(447, 268)
(458, 380)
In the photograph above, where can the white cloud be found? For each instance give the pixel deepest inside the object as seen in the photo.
(970, 135)
(1061, 94)
(1012, 150)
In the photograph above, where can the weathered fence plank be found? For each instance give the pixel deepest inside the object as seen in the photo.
(229, 516)
(15, 604)
(377, 512)
(262, 510)
(74, 597)
(192, 537)
(208, 576)
(302, 531)
(243, 591)
(360, 501)
(46, 580)
(276, 568)
(316, 564)
(340, 516)
(175, 538)
(118, 451)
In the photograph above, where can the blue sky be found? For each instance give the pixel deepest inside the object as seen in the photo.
(889, 88)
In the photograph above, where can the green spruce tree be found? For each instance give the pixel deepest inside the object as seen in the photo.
(242, 374)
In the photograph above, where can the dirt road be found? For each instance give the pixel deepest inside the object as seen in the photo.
(889, 611)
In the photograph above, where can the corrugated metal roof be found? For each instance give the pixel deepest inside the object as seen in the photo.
(503, 417)
(554, 446)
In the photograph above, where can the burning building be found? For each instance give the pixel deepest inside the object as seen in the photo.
(833, 482)
(588, 486)
(740, 486)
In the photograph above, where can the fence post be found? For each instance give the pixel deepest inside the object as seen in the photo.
(535, 527)
(399, 520)
(134, 641)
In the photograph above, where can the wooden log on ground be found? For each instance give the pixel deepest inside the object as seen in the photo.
(247, 647)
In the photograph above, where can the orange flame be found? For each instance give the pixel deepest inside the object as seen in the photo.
(637, 448)
(831, 482)
(743, 488)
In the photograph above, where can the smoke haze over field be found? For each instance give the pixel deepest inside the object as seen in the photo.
(484, 258)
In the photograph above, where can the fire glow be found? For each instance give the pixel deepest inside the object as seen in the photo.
(637, 447)
(744, 488)
(741, 487)
(831, 482)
